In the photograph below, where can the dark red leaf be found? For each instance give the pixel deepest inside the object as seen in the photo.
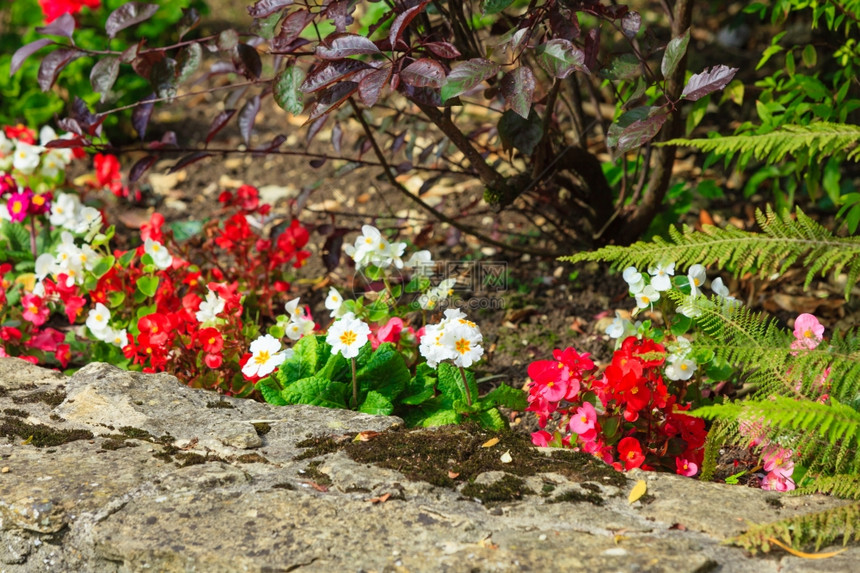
(331, 251)
(140, 167)
(276, 142)
(330, 73)
(564, 23)
(291, 27)
(144, 63)
(53, 64)
(263, 8)
(468, 75)
(560, 57)
(700, 85)
(163, 77)
(127, 15)
(62, 26)
(25, 52)
(640, 132)
(315, 128)
(371, 86)
(424, 96)
(424, 73)
(443, 50)
(190, 19)
(141, 115)
(188, 160)
(219, 122)
(103, 75)
(402, 22)
(71, 143)
(91, 123)
(130, 53)
(398, 142)
(317, 163)
(630, 24)
(336, 137)
(339, 12)
(71, 125)
(518, 88)
(331, 98)
(247, 116)
(346, 45)
(592, 47)
(247, 61)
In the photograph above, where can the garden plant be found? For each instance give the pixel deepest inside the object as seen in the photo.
(567, 123)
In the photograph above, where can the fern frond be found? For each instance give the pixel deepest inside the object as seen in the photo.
(761, 350)
(841, 485)
(824, 437)
(783, 242)
(820, 528)
(812, 142)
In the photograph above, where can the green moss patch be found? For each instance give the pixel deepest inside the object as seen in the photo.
(117, 444)
(16, 412)
(574, 496)
(312, 472)
(434, 456)
(220, 404)
(40, 435)
(53, 398)
(262, 428)
(318, 446)
(509, 488)
(252, 459)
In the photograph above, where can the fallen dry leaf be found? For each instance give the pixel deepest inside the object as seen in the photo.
(490, 443)
(381, 499)
(638, 491)
(453, 475)
(365, 436)
(317, 486)
(506, 458)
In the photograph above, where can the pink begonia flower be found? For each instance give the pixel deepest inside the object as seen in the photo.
(34, 311)
(541, 439)
(776, 482)
(685, 467)
(583, 420)
(777, 461)
(808, 331)
(47, 340)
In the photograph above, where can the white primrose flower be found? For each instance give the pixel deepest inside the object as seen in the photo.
(647, 297)
(435, 295)
(97, 321)
(681, 369)
(26, 157)
(334, 303)
(210, 308)
(299, 327)
(347, 335)
(634, 279)
(266, 355)
(45, 265)
(465, 342)
(160, 255)
(661, 276)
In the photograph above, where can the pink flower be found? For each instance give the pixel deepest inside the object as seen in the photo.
(47, 340)
(17, 206)
(808, 331)
(583, 421)
(777, 461)
(685, 467)
(34, 311)
(541, 439)
(391, 331)
(775, 482)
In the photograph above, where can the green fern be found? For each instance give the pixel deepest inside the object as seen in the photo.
(762, 352)
(820, 528)
(783, 242)
(841, 485)
(824, 437)
(814, 141)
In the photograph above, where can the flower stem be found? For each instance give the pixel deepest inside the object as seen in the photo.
(354, 385)
(33, 236)
(466, 386)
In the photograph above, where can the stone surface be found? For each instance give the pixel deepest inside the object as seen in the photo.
(162, 477)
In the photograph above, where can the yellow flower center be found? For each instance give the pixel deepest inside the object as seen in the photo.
(262, 357)
(683, 366)
(38, 200)
(808, 333)
(212, 340)
(463, 346)
(99, 317)
(583, 419)
(348, 338)
(646, 300)
(33, 309)
(17, 207)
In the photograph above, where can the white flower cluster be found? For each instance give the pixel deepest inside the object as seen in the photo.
(70, 260)
(372, 249)
(680, 364)
(334, 303)
(26, 158)
(209, 309)
(298, 325)
(647, 293)
(161, 257)
(266, 355)
(68, 212)
(98, 321)
(621, 328)
(454, 338)
(347, 335)
(442, 291)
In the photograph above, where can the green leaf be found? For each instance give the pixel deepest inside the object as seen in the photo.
(466, 76)
(115, 299)
(506, 396)
(376, 404)
(422, 387)
(317, 392)
(103, 266)
(386, 372)
(675, 50)
(148, 285)
(271, 391)
(302, 363)
(184, 230)
(809, 56)
(450, 383)
(441, 418)
(623, 67)
(490, 7)
(681, 324)
(559, 57)
(519, 133)
(491, 419)
(286, 90)
(126, 259)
